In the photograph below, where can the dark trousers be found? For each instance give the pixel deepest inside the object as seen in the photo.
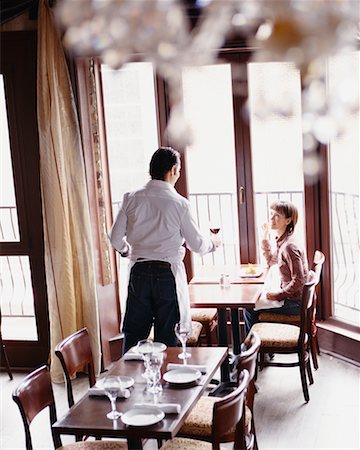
(152, 300)
(290, 308)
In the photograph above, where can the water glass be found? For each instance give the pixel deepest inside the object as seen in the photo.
(112, 387)
(145, 348)
(154, 370)
(183, 331)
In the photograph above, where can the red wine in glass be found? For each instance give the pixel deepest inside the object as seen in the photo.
(215, 230)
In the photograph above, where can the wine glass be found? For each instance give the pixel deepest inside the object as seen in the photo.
(183, 331)
(112, 387)
(214, 228)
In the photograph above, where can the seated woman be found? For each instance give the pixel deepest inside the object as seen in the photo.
(293, 266)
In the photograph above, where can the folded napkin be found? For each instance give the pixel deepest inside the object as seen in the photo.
(132, 356)
(172, 366)
(95, 391)
(167, 408)
(264, 303)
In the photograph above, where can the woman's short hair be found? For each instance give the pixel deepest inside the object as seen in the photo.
(162, 161)
(289, 210)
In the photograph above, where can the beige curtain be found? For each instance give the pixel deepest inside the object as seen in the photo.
(70, 273)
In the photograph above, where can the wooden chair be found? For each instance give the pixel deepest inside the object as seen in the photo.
(3, 354)
(198, 425)
(75, 353)
(33, 395)
(208, 319)
(318, 261)
(227, 414)
(287, 339)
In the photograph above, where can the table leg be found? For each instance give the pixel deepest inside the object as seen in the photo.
(235, 330)
(134, 444)
(223, 342)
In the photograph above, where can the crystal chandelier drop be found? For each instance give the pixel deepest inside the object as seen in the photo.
(305, 32)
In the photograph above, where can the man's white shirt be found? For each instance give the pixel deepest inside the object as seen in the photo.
(153, 223)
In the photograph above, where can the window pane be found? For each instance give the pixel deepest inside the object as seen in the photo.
(344, 194)
(131, 133)
(276, 139)
(208, 108)
(17, 300)
(9, 228)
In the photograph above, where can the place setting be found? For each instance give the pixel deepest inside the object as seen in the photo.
(149, 413)
(183, 375)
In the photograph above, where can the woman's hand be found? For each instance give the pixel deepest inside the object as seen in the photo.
(271, 296)
(265, 228)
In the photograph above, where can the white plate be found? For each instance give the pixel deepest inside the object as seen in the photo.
(126, 382)
(142, 416)
(184, 375)
(258, 272)
(156, 347)
(159, 347)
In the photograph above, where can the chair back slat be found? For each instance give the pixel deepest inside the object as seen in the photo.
(248, 357)
(307, 305)
(33, 395)
(74, 353)
(228, 411)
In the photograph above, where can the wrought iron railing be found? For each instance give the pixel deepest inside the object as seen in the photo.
(15, 280)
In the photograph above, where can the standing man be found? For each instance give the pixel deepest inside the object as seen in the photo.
(151, 227)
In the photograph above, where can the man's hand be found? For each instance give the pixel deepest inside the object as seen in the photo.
(216, 241)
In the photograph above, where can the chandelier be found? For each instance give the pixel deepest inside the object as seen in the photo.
(305, 32)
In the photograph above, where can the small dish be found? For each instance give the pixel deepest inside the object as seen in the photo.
(181, 376)
(258, 271)
(142, 416)
(126, 382)
(156, 347)
(159, 347)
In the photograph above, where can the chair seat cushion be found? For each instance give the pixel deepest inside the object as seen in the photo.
(277, 334)
(193, 340)
(199, 421)
(203, 315)
(187, 444)
(270, 317)
(98, 445)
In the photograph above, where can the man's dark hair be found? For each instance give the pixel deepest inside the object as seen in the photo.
(162, 161)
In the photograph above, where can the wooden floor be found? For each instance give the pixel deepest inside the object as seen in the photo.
(283, 421)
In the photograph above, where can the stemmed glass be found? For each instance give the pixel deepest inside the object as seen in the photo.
(183, 331)
(112, 387)
(214, 228)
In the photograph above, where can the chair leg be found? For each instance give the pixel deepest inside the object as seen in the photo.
(262, 361)
(3, 352)
(303, 377)
(317, 344)
(208, 334)
(309, 372)
(313, 348)
(255, 447)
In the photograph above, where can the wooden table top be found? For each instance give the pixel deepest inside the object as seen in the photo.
(237, 274)
(216, 296)
(88, 416)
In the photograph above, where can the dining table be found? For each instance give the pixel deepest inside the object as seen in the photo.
(88, 415)
(242, 291)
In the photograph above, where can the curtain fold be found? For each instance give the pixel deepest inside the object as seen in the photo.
(69, 260)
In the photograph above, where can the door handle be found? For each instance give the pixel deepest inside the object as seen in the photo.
(242, 195)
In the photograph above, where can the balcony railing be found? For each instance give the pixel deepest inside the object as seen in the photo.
(15, 282)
